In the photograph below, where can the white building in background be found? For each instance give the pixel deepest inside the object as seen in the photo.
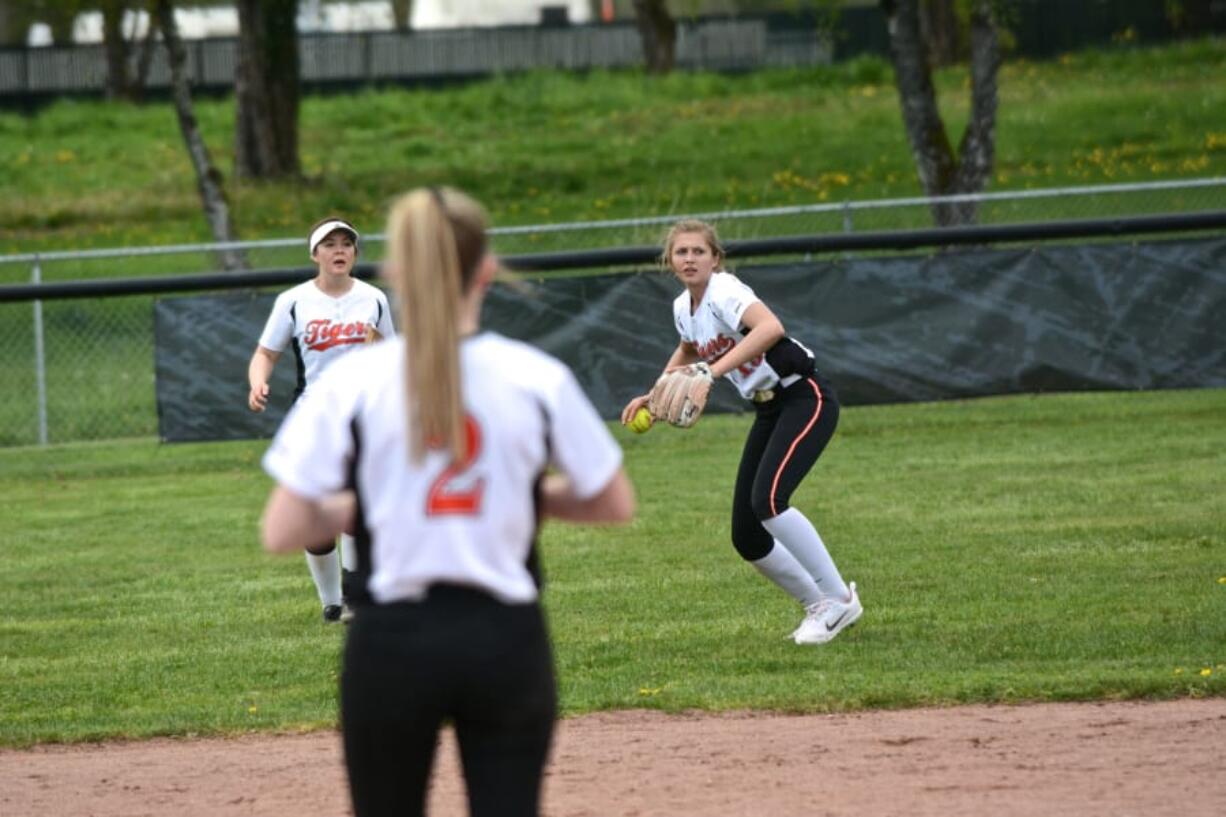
(319, 16)
(463, 13)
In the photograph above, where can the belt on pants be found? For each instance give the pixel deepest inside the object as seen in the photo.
(767, 395)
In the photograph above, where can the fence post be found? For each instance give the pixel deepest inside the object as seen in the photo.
(40, 358)
(848, 226)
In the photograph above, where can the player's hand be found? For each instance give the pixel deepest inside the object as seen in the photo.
(632, 408)
(257, 400)
(373, 335)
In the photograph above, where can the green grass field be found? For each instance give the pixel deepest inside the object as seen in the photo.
(548, 147)
(554, 147)
(1061, 547)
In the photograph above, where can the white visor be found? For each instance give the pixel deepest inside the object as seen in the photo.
(323, 230)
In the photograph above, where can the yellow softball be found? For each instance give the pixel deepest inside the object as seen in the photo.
(641, 421)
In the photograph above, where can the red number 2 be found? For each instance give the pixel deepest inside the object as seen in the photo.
(447, 499)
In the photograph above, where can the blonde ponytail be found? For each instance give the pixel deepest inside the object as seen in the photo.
(436, 240)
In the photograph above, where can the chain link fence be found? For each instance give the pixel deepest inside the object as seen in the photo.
(95, 380)
(82, 369)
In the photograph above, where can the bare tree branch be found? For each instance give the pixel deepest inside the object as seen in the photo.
(208, 178)
(941, 171)
(978, 147)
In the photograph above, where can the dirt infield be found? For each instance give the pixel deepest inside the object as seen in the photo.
(1054, 759)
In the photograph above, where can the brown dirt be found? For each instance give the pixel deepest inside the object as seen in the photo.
(1054, 759)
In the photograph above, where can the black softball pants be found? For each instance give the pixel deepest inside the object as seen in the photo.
(788, 434)
(458, 656)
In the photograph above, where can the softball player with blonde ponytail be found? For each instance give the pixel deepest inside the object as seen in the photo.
(444, 450)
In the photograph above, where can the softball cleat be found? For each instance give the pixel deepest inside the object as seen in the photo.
(829, 617)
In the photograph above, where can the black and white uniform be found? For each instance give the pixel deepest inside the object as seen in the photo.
(450, 626)
(322, 328)
(797, 409)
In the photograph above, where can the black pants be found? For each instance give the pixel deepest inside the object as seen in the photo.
(460, 656)
(787, 436)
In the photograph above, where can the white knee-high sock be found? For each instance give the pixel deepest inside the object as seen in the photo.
(798, 535)
(326, 571)
(781, 567)
(349, 552)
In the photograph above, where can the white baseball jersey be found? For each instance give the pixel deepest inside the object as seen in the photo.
(714, 327)
(323, 328)
(471, 523)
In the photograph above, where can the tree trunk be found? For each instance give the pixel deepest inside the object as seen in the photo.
(940, 171)
(402, 12)
(144, 60)
(978, 147)
(659, 33)
(208, 178)
(115, 46)
(939, 26)
(266, 90)
(13, 26)
(1190, 17)
(60, 19)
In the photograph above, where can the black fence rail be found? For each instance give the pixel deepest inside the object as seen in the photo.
(632, 257)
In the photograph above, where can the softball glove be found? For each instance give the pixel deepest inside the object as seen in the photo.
(680, 396)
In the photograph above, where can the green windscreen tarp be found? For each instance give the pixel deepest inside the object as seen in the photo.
(930, 326)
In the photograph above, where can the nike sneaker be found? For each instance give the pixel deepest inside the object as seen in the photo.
(826, 619)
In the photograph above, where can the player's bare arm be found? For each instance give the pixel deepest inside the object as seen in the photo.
(290, 520)
(765, 330)
(685, 354)
(614, 504)
(258, 371)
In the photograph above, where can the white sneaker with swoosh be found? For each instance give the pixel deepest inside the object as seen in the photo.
(826, 619)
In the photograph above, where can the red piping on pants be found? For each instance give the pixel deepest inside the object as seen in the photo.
(796, 442)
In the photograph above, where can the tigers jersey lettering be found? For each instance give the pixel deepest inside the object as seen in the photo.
(322, 334)
(321, 328)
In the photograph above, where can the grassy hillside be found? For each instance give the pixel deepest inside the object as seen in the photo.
(548, 147)
(1006, 550)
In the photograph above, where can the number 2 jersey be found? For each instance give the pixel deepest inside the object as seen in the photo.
(470, 523)
(322, 328)
(714, 327)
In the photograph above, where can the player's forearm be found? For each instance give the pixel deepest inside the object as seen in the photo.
(292, 522)
(260, 368)
(683, 355)
(759, 340)
(613, 505)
